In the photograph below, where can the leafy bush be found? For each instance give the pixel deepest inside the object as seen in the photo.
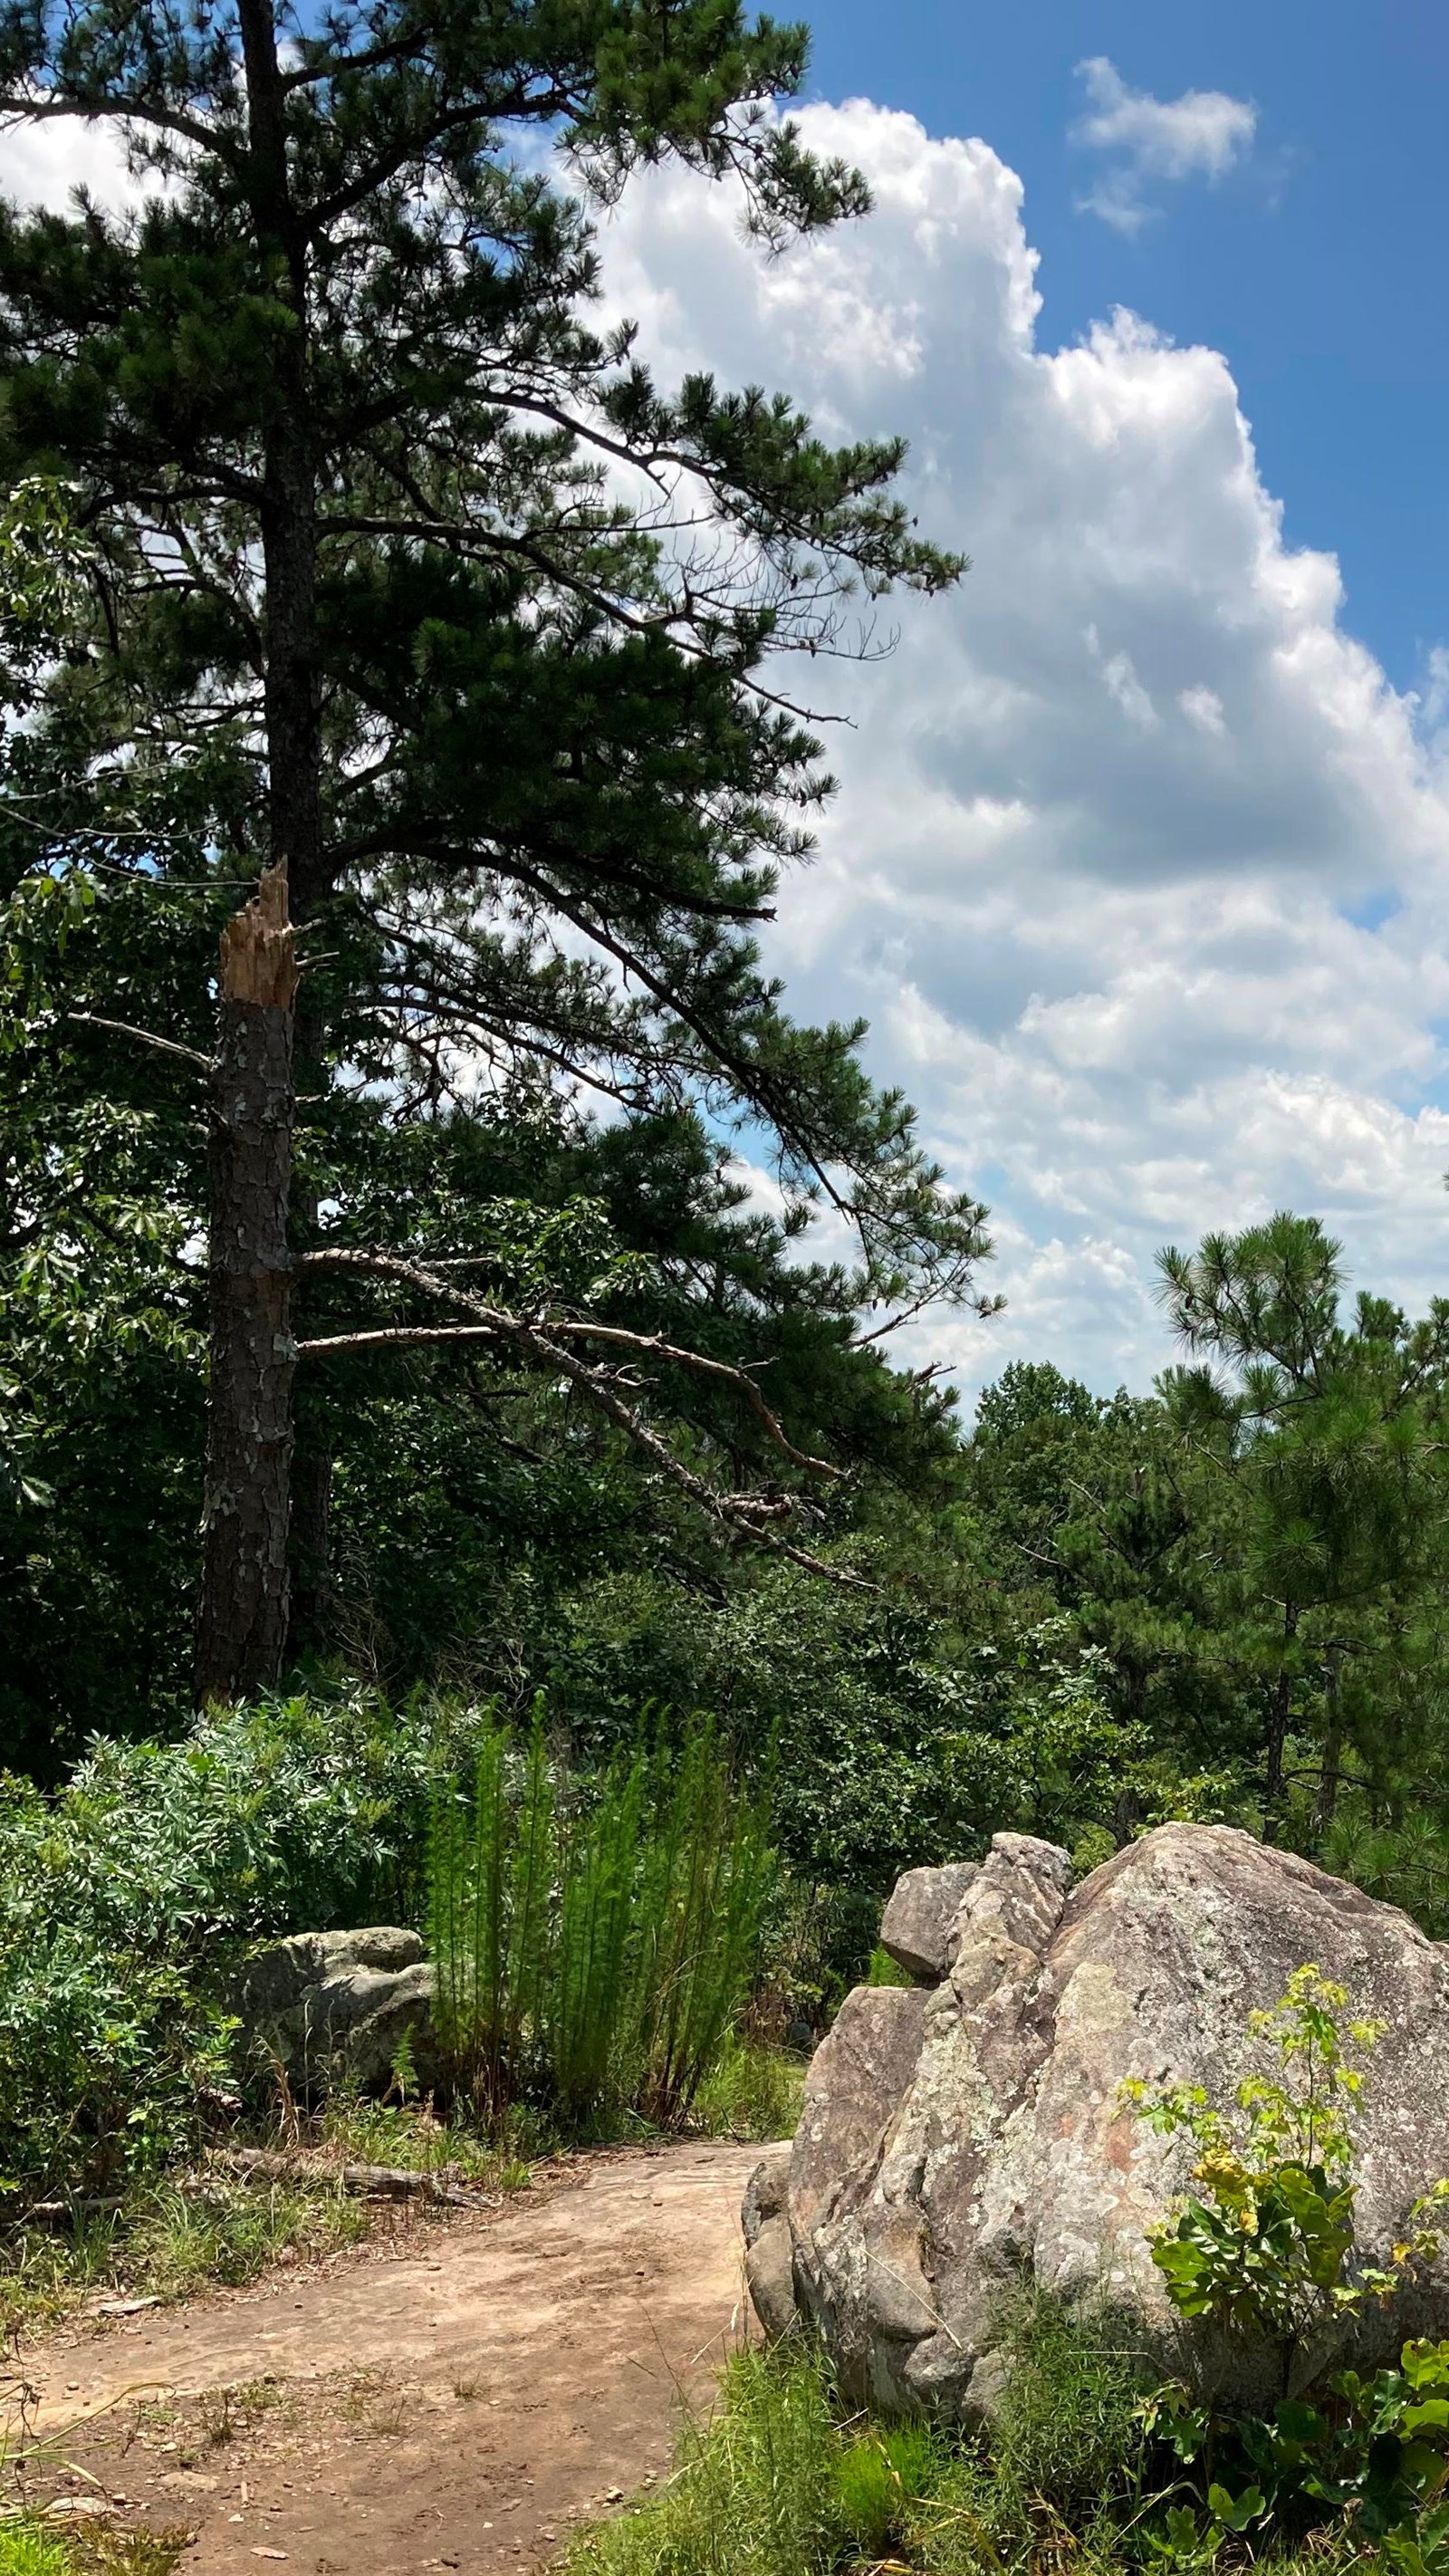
(1266, 2249)
(1267, 2246)
(595, 1947)
(900, 1740)
(123, 1899)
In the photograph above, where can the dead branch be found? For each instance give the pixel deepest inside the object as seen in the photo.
(145, 1037)
(374, 2182)
(549, 1344)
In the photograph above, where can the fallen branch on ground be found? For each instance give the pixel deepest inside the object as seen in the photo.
(376, 2182)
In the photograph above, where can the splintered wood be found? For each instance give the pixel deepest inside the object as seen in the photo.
(259, 949)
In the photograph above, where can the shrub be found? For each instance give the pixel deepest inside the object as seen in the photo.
(595, 1946)
(123, 1899)
(1070, 2425)
(751, 2091)
(1266, 2245)
(783, 2481)
(1265, 2248)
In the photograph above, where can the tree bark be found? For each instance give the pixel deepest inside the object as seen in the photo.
(243, 1619)
(242, 1623)
(1330, 1777)
(1278, 1726)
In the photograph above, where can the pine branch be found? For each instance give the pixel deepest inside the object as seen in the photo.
(751, 1513)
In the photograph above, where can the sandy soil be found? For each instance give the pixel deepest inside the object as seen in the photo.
(457, 2396)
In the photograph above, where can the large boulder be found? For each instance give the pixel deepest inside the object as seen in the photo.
(324, 2002)
(960, 2138)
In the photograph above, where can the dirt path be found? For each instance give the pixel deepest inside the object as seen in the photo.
(457, 2400)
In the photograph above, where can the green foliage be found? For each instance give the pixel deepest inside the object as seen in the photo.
(751, 2091)
(595, 1948)
(123, 1900)
(546, 799)
(1267, 2252)
(31, 2551)
(29, 2548)
(897, 1739)
(1069, 2429)
(785, 2480)
(757, 2491)
(1266, 2248)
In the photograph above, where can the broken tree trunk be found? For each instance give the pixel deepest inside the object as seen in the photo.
(242, 1621)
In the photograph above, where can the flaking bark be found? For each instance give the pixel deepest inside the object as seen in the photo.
(242, 1622)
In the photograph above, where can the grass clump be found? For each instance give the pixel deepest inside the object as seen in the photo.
(756, 2491)
(169, 2239)
(1069, 2430)
(29, 2548)
(752, 2091)
(785, 2481)
(415, 2137)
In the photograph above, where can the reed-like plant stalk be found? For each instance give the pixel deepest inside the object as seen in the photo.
(595, 1941)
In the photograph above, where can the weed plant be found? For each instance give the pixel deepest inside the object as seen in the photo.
(751, 2092)
(29, 2548)
(594, 1949)
(167, 2239)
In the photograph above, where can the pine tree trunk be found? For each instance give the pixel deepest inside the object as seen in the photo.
(242, 1623)
(1330, 1777)
(1278, 1727)
(243, 1620)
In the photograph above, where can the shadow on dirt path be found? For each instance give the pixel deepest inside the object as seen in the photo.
(459, 2399)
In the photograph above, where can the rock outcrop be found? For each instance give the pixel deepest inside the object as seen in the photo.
(958, 2137)
(350, 2000)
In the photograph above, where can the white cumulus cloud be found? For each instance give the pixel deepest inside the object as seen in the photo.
(1140, 867)
(45, 164)
(1200, 135)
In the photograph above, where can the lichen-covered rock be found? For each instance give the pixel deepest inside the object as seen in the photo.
(919, 1924)
(954, 2140)
(350, 2000)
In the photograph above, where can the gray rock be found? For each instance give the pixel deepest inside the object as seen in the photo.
(395, 2009)
(919, 1924)
(956, 2140)
(769, 2253)
(277, 1979)
(328, 2000)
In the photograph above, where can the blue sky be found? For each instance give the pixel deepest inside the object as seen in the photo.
(1318, 266)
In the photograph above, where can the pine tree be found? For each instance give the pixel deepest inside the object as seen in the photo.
(449, 630)
(1329, 1435)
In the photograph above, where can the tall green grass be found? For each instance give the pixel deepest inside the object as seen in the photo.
(595, 1941)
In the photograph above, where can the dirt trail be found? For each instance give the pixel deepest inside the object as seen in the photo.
(458, 2399)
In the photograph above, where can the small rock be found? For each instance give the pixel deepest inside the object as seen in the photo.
(919, 1924)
